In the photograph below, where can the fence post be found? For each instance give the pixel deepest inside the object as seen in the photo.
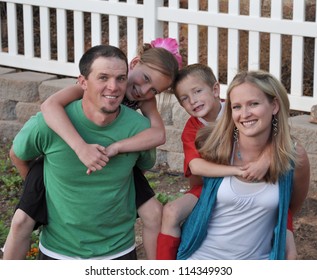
(152, 28)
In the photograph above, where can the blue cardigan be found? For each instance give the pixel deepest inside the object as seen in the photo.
(195, 227)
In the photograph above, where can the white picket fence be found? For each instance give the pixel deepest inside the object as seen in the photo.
(198, 29)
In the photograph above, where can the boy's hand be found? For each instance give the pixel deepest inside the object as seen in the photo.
(255, 171)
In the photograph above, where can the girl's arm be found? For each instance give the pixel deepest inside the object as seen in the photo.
(301, 180)
(92, 155)
(145, 140)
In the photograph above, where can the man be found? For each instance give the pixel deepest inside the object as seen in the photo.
(89, 217)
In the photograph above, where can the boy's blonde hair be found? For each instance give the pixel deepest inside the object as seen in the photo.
(202, 71)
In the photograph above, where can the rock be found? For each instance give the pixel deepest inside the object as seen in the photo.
(313, 114)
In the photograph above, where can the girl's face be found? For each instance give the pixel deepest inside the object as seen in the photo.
(251, 110)
(144, 82)
(198, 98)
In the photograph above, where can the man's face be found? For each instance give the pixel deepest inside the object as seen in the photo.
(105, 86)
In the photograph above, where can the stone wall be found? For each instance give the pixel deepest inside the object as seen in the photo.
(21, 94)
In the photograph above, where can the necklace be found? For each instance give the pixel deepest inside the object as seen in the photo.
(239, 155)
(238, 152)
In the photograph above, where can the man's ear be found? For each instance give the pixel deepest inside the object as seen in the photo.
(82, 82)
(134, 62)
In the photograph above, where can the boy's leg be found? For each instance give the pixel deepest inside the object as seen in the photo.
(18, 239)
(150, 213)
(174, 213)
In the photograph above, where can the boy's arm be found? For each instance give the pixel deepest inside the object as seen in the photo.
(145, 140)
(194, 164)
(202, 167)
(92, 155)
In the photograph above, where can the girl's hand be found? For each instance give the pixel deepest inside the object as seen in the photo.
(113, 149)
(93, 156)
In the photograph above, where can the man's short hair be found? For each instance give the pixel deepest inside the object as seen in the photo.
(95, 52)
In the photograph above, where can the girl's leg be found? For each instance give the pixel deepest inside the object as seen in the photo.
(150, 213)
(174, 213)
(18, 239)
(30, 213)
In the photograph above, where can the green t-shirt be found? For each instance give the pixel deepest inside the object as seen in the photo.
(88, 216)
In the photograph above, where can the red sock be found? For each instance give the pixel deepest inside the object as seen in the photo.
(167, 247)
(290, 221)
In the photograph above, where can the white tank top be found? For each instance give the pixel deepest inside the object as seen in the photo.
(242, 223)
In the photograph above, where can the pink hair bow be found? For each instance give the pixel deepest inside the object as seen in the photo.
(169, 44)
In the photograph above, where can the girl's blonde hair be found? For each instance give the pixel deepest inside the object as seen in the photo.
(217, 142)
(160, 60)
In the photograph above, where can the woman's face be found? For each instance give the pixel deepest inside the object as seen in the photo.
(251, 110)
(144, 82)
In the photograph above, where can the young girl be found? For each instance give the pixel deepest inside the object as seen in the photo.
(150, 73)
(235, 218)
(197, 90)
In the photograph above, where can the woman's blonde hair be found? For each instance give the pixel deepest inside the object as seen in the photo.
(217, 143)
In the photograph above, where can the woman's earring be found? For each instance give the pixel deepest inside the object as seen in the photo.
(275, 125)
(235, 134)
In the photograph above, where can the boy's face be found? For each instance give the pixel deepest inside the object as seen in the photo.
(199, 99)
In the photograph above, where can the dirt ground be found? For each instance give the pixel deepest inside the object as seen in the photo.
(305, 222)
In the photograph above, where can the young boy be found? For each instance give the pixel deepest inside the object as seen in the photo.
(198, 92)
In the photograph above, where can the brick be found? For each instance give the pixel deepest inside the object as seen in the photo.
(47, 88)
(7, 110)
(305, 132)
(313, 114)
(4, 70)
(173, 140)
(25, 110)
(8, 130)
(22, 86)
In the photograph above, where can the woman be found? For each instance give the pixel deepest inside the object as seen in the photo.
(236, 219)
(151, 72)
